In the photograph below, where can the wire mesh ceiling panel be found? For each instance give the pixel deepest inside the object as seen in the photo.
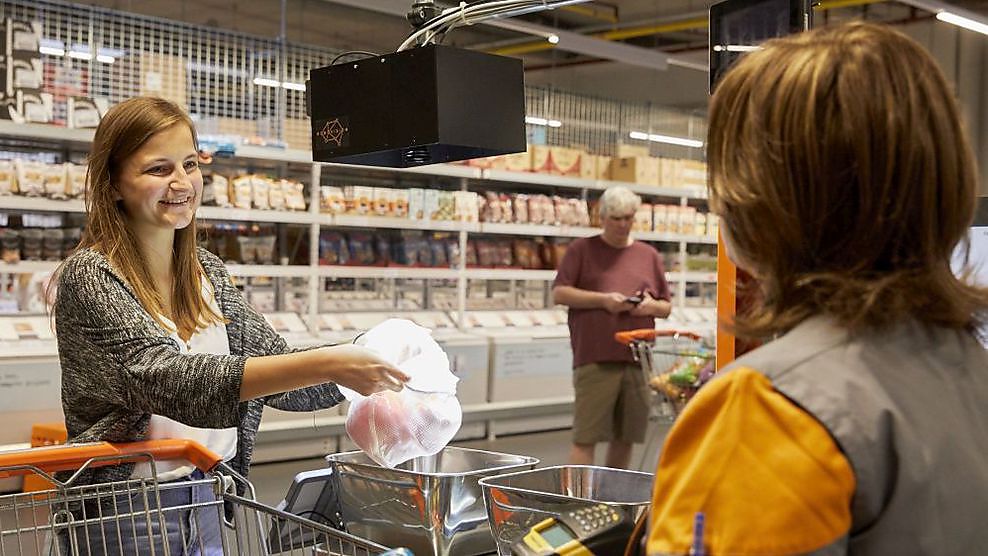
(237, 84)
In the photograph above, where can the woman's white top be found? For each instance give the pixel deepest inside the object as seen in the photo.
(223, 442)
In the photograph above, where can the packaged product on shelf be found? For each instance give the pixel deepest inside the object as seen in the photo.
(453, 251)
(700, 224)
(75, 179)
(503, 253)
(466, 206)
(672, 219)
(712, 225)
(519, 162)
(581, 211)
(659, 218)
(332, 200)
(333, 248)
(671, 172)
(541, 159)
(470, 257)
(399, 203)
(437, 247)
(687, 220)
(565, 161)
(519, 204)
(553, 252)
(561, 210)
(276, 195)
(221, 190)
(486, 253)
(30, 178)
(362, 249)
(588, 166)
(242, 191)
(526, 253)
(490, 207)
(31, 241)
(208, 196)
(35, 106)
(446, 206)
(261, 190)
(52, 240)
(8, 177)
(638, 169)
(694, 173)
(294, 194)
(507, 213)
(643, 218)
(358, 199)
(10, 245)
(264, 249)
(380, 204)
(247, 250)
(416, 203)
(55, 182)
(603, 164)
(383, 248)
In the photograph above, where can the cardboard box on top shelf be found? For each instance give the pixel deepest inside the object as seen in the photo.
(565, 161)
(588, 166)
(671, 172)
(625, 150)
(486, 163)
(541, 159)
(694, 173)
(150, 74)
(642, 170)
(519, 162)
(603, 167)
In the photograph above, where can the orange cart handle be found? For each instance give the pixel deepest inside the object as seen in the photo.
(626, 337)
(67, 457)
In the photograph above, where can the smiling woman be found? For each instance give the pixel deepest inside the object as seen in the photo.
(155, 341)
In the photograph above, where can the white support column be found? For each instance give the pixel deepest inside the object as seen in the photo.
(314, 250)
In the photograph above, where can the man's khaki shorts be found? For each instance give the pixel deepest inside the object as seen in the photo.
(611, 403)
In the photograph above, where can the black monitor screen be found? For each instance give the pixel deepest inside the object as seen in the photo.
(738, 26)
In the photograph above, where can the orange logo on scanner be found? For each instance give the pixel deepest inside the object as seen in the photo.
(333, 132)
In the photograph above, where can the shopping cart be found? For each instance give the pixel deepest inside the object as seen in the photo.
(675, 365)
(127, 517)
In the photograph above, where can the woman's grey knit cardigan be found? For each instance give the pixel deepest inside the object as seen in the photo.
(119, 365)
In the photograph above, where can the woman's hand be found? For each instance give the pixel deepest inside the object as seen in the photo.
(361, 370)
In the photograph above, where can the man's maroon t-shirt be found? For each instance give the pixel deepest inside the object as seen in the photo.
(591, 264)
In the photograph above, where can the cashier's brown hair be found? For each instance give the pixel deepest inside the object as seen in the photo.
(840, 169)
(121, 132)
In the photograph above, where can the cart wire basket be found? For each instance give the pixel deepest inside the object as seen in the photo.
(128, 517)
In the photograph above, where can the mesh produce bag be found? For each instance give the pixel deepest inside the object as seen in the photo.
(420, 420)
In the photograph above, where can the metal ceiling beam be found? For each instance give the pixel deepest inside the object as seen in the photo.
(568, 41)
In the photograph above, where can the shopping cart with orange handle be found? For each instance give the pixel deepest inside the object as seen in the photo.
(675, 365)
(127, 516)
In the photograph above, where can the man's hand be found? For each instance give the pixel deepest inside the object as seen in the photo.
(651, 307)
(615, 302)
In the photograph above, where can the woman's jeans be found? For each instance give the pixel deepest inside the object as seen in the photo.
(190, 530)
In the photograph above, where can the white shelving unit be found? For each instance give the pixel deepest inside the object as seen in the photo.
(81, 138)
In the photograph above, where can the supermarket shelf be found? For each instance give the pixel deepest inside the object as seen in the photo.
(599, 185)
(255, 215)
(692, 277)
(673, 238)
(688, 192)
(536, 230)
(351, 221)
(28, 267)
(275, 271)
(40, 204)
(509, 274)
(410, 273)
(45, 132)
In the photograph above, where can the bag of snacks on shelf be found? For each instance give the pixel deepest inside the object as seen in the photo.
(30, 178)
(332, 200)
(10, 245)
(399, 205)
(276, 195)
(56, 182)
(221, 191)
(294, 194)
(31, 240)
(502, 253)
(582, 213)
(446, 208)
(486, 253)
(261, 192)
(383, 247)
(76, 176)
(333, 248)
(420, 419)
(8, 178)
(264, 249)
(526, 253)
(242, 192)
(563, 211)
(208, 197)
(362, 249)
(519, 203)
(247, 250)
(437, 246)
(490, 207)
(52, 241)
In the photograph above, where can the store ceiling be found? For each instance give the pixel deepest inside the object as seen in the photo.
(672, 26)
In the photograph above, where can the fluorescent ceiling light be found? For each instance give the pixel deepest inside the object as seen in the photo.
(266, 82)
(736, 48)
(542, 121)
(52, 51)
(293, 86)
(105, 59)
(656, 138)
(80, 55)
(964, 22)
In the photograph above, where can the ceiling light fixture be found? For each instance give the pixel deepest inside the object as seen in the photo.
(52, 51)
(669, 139)
(553, 38)
(964, 22)
(533, 120)
(265, 82)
